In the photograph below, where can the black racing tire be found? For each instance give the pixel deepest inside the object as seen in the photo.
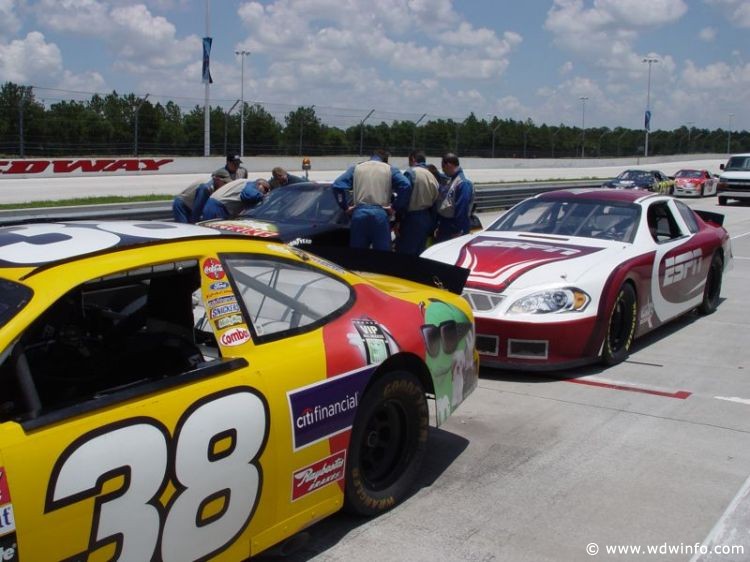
(621, 326)
(703, 192)
(712, 290)
(722, 200)
(388, 444)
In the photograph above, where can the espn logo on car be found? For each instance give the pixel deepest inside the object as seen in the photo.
(315, 476)
(682, 266)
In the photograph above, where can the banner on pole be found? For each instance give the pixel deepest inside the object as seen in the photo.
(206, 60)
(647, 120)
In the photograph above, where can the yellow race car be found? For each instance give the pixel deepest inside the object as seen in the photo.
(176, 392)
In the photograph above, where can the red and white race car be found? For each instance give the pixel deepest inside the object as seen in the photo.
(695, 183)
(573, 276)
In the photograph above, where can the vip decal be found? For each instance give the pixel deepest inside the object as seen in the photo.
(327, 408)
(317, 475)
(219, 286)
(221, 300)
(235, 336)
(682, 266)
(212, 268)
(84, 166)
(232, 320)
(224, 310)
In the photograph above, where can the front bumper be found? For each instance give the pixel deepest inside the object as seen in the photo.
(535, 346)
(687, 191)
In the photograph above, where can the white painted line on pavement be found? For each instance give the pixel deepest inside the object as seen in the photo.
(731, 529)
(734, 399)
(739, 236)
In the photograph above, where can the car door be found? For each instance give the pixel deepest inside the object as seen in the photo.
(711, 183)
(677, 279)
(145, 443)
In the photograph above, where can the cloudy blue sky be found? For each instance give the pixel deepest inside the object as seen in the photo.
(519, 59)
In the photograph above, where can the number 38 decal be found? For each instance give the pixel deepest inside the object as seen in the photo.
(212, 461)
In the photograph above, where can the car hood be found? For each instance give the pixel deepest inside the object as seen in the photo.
(498, 260)
(284, 231)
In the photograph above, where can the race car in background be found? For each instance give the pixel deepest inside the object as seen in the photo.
(573, 276)
(653, 180)
(695, 183)
(128, 433)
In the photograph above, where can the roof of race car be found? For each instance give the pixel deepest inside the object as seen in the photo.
(45, 243)
(603, 194)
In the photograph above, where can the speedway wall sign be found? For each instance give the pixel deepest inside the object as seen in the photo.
(105, 166)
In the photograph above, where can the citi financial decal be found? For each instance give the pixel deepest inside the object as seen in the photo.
(324, 409)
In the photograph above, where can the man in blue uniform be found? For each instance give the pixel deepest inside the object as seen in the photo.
(280, 177)
(416, 225)
(374, 184)
(229, 201)
(454, 209)
(188, 206)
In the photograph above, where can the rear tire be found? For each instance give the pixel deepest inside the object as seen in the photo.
(712, 290)
(388, 444)
(621, 327)
(722, 200)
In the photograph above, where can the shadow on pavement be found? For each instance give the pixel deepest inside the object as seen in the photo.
(443, 448)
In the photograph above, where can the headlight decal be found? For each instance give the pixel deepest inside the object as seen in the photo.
(567, 299)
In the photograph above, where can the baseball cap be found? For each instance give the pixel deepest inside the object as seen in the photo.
(222, 173)
(233, 158)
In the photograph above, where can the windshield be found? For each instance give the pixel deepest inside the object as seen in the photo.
(738, 163)
(298, 204)
(589, 219)
(633, 175)
(13, 297)
(689, 174)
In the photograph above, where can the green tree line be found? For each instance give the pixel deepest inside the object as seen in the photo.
(107, 125)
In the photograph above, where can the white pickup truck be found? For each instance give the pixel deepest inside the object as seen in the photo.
(734, 182)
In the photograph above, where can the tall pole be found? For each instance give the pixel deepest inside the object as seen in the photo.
(647, 122)
(302, 126)
(242, 55)
(206, 109)
(21, 106)
(690, 130)
(226, 120)
(729, 135)
(414, 135)
(583, 125)
(137, 109)
(494, 130)
(362, 130)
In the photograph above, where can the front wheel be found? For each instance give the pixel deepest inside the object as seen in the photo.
(388, 444)
(722, 200)
(712, 289)
(621, 327)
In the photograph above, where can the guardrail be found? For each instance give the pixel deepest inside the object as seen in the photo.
(488, 197)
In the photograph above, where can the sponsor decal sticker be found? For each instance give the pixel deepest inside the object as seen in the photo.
(219, 286)
(9, 548)
(212, 268)
(4, 490)
(224, 310)
(313, 477)
(235, 336)
(220, 301)
(247, 227)
(682, 266)
(227, 321)
(324, 409)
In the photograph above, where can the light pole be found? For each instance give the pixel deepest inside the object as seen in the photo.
(414, 136)
(137, 109)
(729, 135)
(494, 130)
(226, 119)
(242, 55)
(647, 121)
(301, 126)
(362, 130)
(690, 130)
(583, 125)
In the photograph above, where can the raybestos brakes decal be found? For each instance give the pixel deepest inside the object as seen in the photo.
(496, 262)
(319, 474)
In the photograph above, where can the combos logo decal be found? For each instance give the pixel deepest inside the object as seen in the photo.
(235, 336)
(327, 408)
(317, 475)
(232, 320)
(682, 266)
(219, 286)
(84, 166)
(212, 268)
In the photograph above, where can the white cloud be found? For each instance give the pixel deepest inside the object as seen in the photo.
(566, 68)
(707, 34)
(30, 60)
(9, 22)
(736, 11)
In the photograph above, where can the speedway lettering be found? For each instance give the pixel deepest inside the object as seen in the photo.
(682, 266)
(318, 474)
(84, 166)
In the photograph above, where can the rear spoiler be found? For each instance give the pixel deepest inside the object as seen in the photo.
(708, 216)
(412, 268)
